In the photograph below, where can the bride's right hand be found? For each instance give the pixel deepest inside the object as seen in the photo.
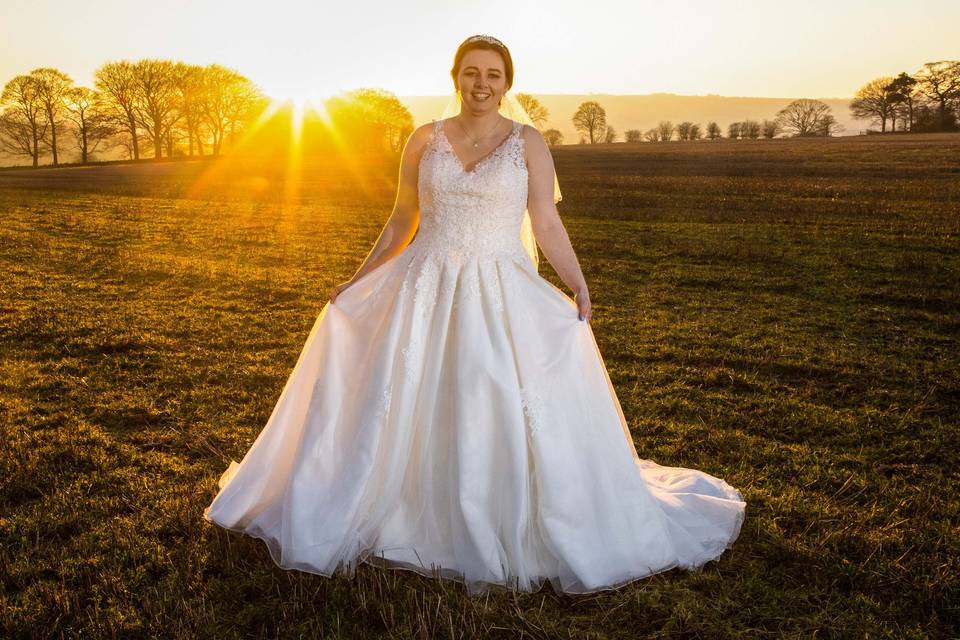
(337, 290)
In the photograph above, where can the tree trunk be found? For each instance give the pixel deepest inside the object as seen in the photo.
(53, 138)
(134, 140)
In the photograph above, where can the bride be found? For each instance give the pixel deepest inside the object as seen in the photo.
(450, 412)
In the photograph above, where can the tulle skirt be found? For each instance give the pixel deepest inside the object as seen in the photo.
(450, 414)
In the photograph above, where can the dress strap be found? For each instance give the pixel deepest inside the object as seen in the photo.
(433, 134)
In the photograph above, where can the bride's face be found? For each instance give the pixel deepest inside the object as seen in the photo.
(482, 80)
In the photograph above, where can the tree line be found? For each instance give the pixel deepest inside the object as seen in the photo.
(155, 108)
(800, 118)
(927, 101)
(152, 103)
(169, 108)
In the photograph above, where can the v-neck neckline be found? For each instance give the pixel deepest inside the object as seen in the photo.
(476, 165)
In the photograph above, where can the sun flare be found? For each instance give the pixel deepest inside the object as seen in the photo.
(303, 101)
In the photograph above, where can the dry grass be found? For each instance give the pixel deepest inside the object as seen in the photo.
(782, 314)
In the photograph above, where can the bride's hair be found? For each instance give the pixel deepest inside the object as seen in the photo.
(483, 42)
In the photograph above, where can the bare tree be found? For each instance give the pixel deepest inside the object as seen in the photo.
(553, 137)
(53, 86)
(652, 135)
(713, 130)
(117, 83)
(770, 128)
(157, 100)
(802, 117)
(750, 129)
(590, 119)
(249, 104)
(610, 135)
(229, 99)
(828, 125)
(633, 135)
(188, 81)
(902, 92)
(666, 130)
(375, 119)
(537, 112)
(874, 101)
(23, 123)
(390, 116)
(940, 83)
(688, 131)
(91, 127)
(733, 130)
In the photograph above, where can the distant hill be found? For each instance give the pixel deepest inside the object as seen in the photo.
(645, 111)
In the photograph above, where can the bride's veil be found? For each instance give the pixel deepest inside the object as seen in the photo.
(511, 108)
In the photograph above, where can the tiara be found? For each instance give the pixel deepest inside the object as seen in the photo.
(489, 39)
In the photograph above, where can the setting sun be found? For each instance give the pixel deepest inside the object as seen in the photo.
(302, 101)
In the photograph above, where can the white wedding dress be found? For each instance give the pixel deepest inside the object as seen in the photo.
(450, 414)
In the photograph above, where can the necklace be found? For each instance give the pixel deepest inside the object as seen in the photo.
(476, 143)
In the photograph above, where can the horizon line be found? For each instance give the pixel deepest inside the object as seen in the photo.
(655, 93)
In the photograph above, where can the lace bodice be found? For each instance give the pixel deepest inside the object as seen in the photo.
(476, 212)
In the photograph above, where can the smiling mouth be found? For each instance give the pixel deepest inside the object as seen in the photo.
(480, 96)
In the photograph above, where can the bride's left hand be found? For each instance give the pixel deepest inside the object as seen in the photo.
(582, 298)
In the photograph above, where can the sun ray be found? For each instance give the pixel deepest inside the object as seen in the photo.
(293, 174)
(274, 155)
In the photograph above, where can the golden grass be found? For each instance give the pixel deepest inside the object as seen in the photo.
(782, 314)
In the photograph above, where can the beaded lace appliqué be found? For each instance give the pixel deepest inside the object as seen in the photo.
(468, 245)
(384, 407)
(533, 407)
(424, 300)
(471, 214)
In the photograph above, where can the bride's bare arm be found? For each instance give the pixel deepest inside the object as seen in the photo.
(547, 226)
(403, 221)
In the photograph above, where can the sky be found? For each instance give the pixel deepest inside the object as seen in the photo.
(310, 50)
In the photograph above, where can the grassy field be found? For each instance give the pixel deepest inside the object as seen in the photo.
(782, 314)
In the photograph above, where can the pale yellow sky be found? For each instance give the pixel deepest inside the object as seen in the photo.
(814, 49)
